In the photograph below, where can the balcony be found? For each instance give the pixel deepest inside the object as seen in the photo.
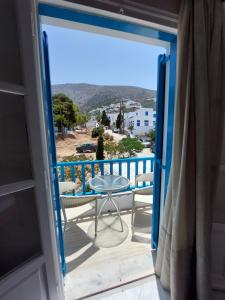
(127, 255)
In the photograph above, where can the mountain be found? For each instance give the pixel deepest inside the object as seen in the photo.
(90, 96)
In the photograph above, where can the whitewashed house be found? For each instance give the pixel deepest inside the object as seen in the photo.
(142, 120)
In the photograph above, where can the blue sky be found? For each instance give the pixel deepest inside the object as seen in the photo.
(83, 57)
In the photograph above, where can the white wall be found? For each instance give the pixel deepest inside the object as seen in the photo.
(140, 115)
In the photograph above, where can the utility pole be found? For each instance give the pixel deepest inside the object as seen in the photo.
(120, 114)
(122, 124)
(123, 115)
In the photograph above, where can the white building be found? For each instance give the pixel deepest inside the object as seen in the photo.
(142, 120)
(132, 104)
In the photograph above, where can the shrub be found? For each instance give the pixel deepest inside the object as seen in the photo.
(111, 148)
(98, 131)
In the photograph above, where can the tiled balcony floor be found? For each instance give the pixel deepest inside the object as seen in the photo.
(91, 269)
(145, 289)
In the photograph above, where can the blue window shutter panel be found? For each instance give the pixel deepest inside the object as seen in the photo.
(52, 148)
(158, 148)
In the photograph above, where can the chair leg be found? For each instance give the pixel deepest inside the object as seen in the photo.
(65, 218)
(132, 214)
(96, 217)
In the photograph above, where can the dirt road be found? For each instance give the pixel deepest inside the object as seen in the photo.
(68, 146)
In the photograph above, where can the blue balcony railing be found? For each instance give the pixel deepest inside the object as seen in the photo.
(80, 172)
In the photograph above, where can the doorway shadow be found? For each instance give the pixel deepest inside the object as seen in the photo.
(75, 263)
(142, 226)
(75, 240)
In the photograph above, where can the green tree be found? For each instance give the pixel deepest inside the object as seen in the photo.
(98, 131)
(82, 118)
(131, 127)
(100, 148)
(129, 145)
(104, 119)
(119, 121)
(63, 111)
(152, 139)
(98, 118)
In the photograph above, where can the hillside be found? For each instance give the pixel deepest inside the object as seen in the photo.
(89, 96)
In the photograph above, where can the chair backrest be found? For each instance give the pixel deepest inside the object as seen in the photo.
(75, 201)
(66, 186)
(144, 177)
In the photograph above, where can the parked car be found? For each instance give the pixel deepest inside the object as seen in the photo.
(86, 148)
(116, 130)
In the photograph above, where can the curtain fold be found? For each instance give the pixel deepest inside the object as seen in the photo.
(183, 255)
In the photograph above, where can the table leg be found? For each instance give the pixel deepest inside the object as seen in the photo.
(117, 208)
(109, 198)
(96, 217)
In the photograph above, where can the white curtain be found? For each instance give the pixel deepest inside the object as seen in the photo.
(183, 256)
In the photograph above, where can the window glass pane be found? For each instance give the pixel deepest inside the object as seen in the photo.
(19, 233)
(138, 123)
(15, 162)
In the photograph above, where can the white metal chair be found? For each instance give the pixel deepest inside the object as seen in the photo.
(145, 191)
(68, 201)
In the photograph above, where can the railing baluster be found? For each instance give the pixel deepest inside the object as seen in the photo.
(144, 170)
(93, 174)
(120, 168)
(73, 176)
(152, 170)
(152, 164)
(92, 170)
(62, 173)
(128, 169)
(102, 168)
(111, 168)
(83, 179)
(136, 169)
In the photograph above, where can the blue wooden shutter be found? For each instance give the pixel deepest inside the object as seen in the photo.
(52, 148)
(160, 125)
(160, 101)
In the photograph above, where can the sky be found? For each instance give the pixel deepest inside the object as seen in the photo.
(82, 57)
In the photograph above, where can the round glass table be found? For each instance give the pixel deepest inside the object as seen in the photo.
(109, 184)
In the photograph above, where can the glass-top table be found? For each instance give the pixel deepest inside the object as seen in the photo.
(109, 184)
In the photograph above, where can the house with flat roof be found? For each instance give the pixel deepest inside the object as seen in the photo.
(142, 120)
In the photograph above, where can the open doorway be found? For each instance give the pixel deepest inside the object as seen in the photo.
(130, 118)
